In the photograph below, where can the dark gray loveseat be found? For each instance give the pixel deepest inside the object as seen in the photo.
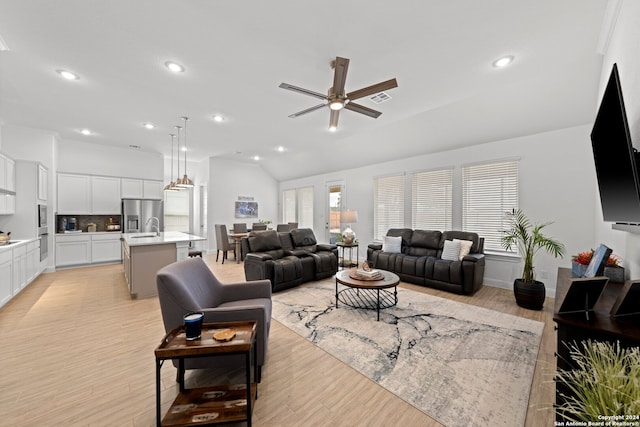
(420, 260)
(288, 259)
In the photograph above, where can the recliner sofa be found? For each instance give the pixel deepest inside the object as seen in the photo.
(419, 260)
(288, 259)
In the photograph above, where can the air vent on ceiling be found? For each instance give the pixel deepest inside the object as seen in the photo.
(135, 147)
(380, 98)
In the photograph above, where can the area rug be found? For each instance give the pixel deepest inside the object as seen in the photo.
(460, 364)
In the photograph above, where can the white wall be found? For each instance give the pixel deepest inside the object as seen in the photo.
(623, 50)
(229, 180)
(98, 159)
(557, 183)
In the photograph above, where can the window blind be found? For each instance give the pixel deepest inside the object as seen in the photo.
(432, 200)
(305, 207)
(388, 204)
(298, 206)
(289, 206)
(489, 195)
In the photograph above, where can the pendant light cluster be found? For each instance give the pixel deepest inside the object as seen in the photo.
(184, 182)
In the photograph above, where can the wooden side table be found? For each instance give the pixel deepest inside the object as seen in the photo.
(215, 404)
(349, 246)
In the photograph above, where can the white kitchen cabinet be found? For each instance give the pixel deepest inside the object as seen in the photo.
(105, 195)
(10, 184)
(73, 250)
(19, 268)
(106, 248)
(33, 260)
(3, 172)
(7, 204)
(43, 183)
(74, 194)
(141, 189)
(6, 276)
(153, 189)
(132, 188)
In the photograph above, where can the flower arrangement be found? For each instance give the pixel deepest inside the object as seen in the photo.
(584, 258)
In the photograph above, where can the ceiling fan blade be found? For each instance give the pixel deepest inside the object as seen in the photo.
(302, 90)
(370, 90)
(362, 110)
(308, 110)
(340, 75)
(333, 119)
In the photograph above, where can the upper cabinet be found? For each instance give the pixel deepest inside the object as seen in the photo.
(141, 189)
(131, 188)
(105, 195)
(7, 185)
(101, 195)
(74, 194)
(152, 190)
(43, 183)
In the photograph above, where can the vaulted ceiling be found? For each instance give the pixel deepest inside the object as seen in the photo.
(236, 53)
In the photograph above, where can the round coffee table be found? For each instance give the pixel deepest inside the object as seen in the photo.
(367, 294)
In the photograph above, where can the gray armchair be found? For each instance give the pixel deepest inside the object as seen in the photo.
(190, 285)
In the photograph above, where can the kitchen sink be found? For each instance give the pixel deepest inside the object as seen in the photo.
(141, 235)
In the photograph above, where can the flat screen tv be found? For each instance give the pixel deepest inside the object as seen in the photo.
(615, 157)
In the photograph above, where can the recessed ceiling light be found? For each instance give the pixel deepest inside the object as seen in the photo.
(218, 118)
(86, 132)
(149, 126)
(256, 158)
(503, 62)
(281, 149)
(332, 128)
(174, 66)
(68, 75)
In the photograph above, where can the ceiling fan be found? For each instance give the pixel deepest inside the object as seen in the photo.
(336, 98)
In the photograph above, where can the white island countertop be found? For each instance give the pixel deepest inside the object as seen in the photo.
(145, 239)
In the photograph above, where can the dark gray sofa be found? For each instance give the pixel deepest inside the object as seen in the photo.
(420, 260)
(287, 259)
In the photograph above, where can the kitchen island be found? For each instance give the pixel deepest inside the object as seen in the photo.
(146, 253)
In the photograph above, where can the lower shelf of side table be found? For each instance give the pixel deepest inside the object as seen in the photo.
(210, 405)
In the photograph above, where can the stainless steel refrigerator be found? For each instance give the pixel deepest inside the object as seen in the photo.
(137, 215)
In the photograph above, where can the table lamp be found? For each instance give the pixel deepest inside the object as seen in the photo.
(348, 217)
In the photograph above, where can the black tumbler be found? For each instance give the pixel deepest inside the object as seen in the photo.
(193, 325)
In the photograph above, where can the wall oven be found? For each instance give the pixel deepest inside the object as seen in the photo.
(43, 231)
(44, 246)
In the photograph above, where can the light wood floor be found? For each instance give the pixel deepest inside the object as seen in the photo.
(77, 351)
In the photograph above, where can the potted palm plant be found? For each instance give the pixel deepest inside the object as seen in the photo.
(528, 239)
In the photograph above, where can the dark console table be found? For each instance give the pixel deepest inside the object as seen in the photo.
(600, 326)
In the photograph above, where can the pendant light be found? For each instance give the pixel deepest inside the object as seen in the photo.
(185, 182)
(177, 181)
(172, 185)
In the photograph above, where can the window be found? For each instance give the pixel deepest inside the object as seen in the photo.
(489, 195)
(388, 204)
(298, 206)
(432, 200)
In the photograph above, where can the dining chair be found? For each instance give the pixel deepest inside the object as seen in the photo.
(282, 227)
(240, 227)
(258, 226)
(223, 244)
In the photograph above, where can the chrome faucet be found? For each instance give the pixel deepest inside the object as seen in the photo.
(157, 226)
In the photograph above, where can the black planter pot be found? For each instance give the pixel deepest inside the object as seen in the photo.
(529, 295)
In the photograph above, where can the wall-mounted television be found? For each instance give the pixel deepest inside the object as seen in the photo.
(615, 158)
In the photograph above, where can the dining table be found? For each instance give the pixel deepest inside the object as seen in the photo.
(237, 238)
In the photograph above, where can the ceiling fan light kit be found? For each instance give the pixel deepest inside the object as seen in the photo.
(336, 98)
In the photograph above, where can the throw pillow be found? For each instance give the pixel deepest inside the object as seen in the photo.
(465, 247)
(451, 250)
(392, 245)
